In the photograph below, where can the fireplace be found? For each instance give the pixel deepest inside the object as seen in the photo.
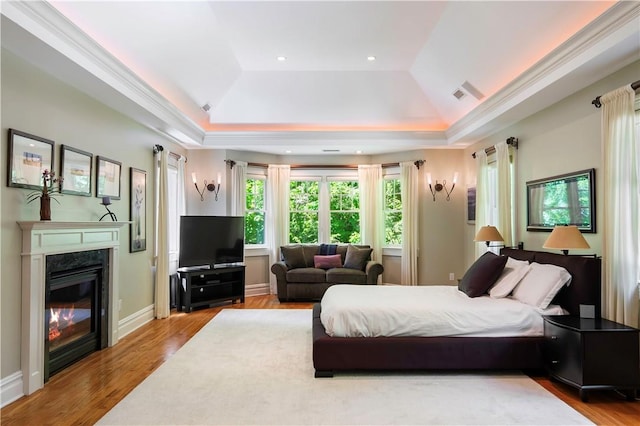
(75, 307)
(42, 241)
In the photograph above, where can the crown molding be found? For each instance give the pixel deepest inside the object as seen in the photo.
(50, 26)
(621, 18)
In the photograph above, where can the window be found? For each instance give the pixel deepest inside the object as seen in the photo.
(254, 211)
(303, 211)
(344, 212)
(392, 212)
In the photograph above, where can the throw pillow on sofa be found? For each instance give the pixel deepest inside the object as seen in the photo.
(293, 256)
(327, 261)
(357, 258)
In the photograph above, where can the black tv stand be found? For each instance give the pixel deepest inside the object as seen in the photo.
(205, 287)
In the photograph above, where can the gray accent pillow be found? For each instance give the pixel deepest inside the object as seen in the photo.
(356, 258)
(293, 256)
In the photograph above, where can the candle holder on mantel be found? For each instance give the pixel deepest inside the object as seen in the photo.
(106, 201)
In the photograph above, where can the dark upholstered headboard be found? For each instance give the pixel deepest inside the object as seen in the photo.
(586, 273)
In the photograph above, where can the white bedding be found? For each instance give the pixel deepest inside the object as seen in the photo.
(376, 311)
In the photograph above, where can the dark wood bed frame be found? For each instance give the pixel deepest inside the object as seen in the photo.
(335, 354)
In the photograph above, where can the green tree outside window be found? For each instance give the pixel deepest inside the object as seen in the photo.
(255, 212)
(392, 212)
(344, 212)
(303, 211)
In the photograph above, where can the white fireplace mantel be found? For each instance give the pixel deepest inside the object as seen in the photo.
(43, 238)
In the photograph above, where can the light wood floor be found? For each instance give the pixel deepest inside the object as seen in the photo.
(84, 392)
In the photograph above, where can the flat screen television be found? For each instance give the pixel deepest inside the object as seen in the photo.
(211, 241)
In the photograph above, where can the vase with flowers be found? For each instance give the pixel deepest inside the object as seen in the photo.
(47, 193)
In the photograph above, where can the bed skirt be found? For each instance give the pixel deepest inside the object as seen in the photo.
(333, 354)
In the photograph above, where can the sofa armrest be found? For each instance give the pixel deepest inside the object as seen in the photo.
(280, 269)
(373, 270)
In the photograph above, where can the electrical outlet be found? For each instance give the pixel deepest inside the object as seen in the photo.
(120, 305)
(452, 276)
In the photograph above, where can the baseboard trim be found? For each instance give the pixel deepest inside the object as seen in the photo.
(11, 389)
(134, 321)
(256, 289)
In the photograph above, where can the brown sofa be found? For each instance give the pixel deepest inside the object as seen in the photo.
(299, 279)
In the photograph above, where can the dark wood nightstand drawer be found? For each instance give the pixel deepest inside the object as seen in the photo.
(562, 353)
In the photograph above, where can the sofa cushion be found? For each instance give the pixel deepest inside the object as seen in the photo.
(293, 256)
(327, 262)
(306, 275)
(357, 258)
(346, 276)
(309, 251)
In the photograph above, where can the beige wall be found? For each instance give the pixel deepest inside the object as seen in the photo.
(36, 103)
(562, 138)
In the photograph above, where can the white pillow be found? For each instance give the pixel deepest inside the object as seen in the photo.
(541, 284)
(511, 275)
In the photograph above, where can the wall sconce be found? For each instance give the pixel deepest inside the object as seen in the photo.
(106, 201)
(211, 187)
(440, 186)
(565, 237)
(488, 234)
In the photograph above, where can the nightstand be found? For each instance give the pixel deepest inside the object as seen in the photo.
(592, 354)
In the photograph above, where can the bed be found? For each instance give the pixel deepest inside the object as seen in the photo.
(477, 352)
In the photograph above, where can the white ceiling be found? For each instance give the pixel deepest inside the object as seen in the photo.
(186, 54)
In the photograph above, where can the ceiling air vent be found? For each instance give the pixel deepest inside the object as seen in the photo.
(472, 90)
(330, 150)
(459, 94)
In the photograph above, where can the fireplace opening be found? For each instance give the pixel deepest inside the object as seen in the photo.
(75, 307)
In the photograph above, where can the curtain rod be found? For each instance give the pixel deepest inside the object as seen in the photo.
(160, 148)
(596, 102)
(510, 141)
(232, 163)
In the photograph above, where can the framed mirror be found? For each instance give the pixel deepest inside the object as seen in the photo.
(29, 156)
(76, 171)
(568, 199)
(108, 178)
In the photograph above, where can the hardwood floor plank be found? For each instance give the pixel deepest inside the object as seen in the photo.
(84, 392)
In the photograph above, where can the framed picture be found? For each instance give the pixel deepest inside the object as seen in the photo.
(138, 234)
(75, 168)
(471, 205)
(568, 199)
(29, 156)
(108, 178)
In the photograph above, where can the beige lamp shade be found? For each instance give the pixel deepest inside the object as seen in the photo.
(487, 234)
(565, 238)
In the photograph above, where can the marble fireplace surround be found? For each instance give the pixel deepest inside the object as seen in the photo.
(43, 238)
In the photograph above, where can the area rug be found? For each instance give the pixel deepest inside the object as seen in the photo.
(254, 367)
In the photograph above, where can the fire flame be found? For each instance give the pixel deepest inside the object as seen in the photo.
(60, 318)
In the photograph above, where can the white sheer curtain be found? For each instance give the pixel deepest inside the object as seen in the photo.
(277, 215)
(371, 207)
(181, 210)
(409, 194)
(482, 197)
(506, 212)
(238, 188)
(161, 299)
(621, 254)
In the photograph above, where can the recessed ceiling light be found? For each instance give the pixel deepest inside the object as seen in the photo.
(288, 151)
(281, 58)
(371, 58)
(358, 152)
